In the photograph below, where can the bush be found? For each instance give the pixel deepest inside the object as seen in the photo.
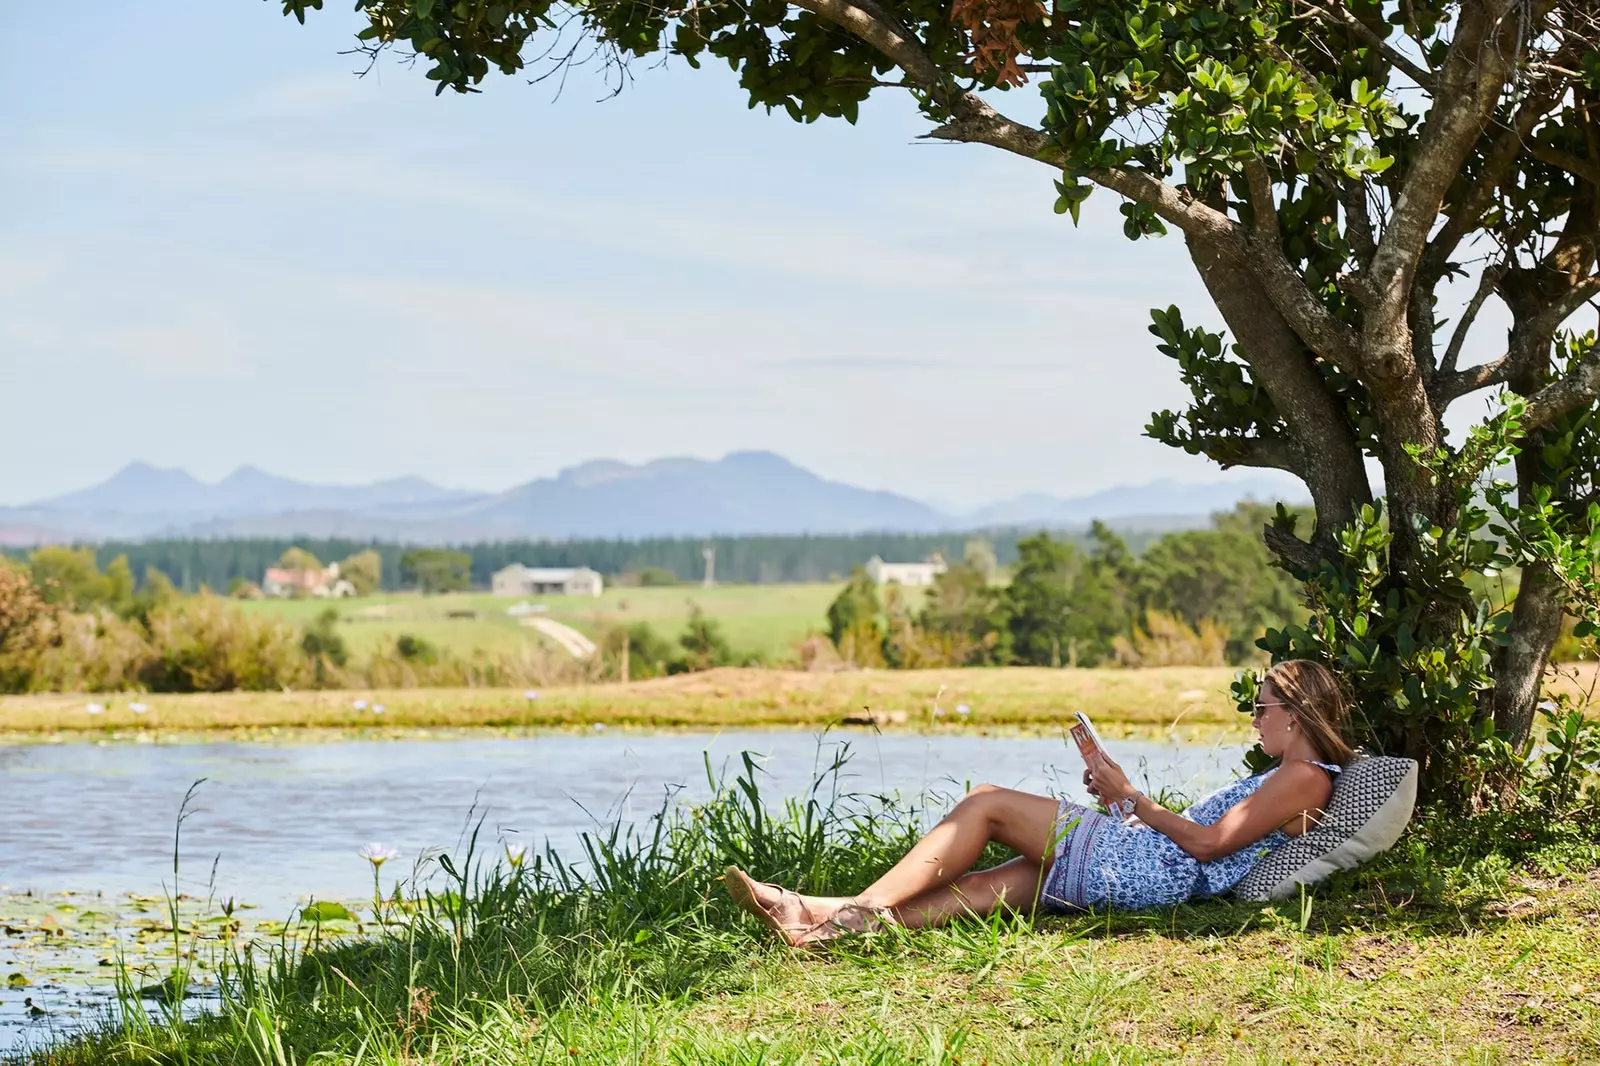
(203, 644)
(415, 650)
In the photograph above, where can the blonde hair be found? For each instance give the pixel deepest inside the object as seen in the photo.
(1313, 694)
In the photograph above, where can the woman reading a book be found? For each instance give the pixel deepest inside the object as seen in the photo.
(1072, 856)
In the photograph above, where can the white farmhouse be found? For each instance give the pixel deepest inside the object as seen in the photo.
(519, 580)
(910, 575)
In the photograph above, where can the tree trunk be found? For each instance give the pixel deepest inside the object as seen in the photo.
(1519, 666)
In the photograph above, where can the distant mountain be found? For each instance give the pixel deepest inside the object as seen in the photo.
(142, 489)
(1165, 497)
(743, 493)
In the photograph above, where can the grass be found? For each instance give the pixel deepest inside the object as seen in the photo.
(762, 619)
(1184, 702)
(1012, 698)
(1439, 954)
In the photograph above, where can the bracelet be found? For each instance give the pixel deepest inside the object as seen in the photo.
(1129, 803)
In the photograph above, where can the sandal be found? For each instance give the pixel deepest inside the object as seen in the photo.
(853, 919)
(742, 887)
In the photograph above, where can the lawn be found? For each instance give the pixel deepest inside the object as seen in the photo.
(764, 619)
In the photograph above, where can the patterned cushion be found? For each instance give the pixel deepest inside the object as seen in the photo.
(1371, 804)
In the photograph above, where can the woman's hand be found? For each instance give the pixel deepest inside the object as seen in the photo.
(1107, 782)
(1089, 785)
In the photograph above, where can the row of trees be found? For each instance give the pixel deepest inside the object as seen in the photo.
(1200, 597)
(195, 563)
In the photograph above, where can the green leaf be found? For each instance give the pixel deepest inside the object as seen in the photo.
(326, 911)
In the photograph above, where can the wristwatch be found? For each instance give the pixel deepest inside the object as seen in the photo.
(1125, 805)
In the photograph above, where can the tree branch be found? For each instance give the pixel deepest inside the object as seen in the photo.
(1486, 283)
(1298, 556)
(1450, 387)
(1474, 74)
(1576, 388)
(1267, 453)
(1574, 165)
(1402, 62)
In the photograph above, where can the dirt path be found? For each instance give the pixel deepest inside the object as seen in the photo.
(578, 645)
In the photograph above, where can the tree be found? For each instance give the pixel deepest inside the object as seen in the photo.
(298, 558)
(323, 644)
(857, 608)
(1039, 601)
(964, 608)
(1223, 575)
(68, 577)
(364, 570)
(1332, 168)
(702, 641)
(437, 569)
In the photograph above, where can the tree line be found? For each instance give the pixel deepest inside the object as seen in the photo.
(1195, 597)
(192, 563)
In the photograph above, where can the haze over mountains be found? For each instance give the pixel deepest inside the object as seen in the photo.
(742, 493)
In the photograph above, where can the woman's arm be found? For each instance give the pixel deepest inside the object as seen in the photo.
(1295, 789)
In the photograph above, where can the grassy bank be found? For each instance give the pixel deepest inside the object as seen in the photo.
(1025, 698)
(762, 619)
(1180, 700)
(1440, 954)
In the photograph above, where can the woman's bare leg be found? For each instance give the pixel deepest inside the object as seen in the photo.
(1012, 885)
(1021, 821)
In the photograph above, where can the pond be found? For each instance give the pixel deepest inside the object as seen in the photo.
(272, 826)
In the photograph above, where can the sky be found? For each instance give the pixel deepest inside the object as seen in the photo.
(223, 247)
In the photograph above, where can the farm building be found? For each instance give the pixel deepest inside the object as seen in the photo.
(519, 580)
(911, 575)
(318, 584)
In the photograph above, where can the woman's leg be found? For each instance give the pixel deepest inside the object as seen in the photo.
(1013, 885)
(1021, 821)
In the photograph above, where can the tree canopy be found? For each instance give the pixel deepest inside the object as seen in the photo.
(1331, 165)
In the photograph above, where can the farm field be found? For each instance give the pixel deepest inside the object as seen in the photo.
(767, 620)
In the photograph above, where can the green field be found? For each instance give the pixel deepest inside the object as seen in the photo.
(763, 619)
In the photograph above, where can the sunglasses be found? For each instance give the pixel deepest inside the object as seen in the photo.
(1261, 708)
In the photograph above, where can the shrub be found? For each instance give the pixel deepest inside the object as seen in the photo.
(203, 644)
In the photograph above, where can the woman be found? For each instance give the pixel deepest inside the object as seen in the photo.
(1070, 856)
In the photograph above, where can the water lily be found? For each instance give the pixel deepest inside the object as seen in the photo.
(378, 854)
(360, 705)
(938, 712)
(377, 708)
(516, 855)
(96, 708)
(962, 708)
(531, 694)
(138, 708)
(599, 727)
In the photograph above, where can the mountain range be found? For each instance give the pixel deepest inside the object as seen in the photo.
(742, 493)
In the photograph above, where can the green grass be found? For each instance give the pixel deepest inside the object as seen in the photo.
(1442, 953)
(764, 619)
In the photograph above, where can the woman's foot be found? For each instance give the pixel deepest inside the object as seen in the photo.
(801, 920)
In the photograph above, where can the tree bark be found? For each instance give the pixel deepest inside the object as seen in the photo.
(1519, 666)
(1328, 459)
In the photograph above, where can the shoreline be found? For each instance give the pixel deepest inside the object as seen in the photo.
(1010, 700)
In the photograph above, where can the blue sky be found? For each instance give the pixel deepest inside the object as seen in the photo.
(225, 248)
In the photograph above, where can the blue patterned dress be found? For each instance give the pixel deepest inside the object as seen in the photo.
(1101, 860)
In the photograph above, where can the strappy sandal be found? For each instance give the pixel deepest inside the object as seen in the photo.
(853, 919)
(742, 887)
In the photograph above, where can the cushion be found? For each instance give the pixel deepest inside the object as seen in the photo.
(1370, 806)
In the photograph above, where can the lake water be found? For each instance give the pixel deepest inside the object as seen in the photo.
(279, 824)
